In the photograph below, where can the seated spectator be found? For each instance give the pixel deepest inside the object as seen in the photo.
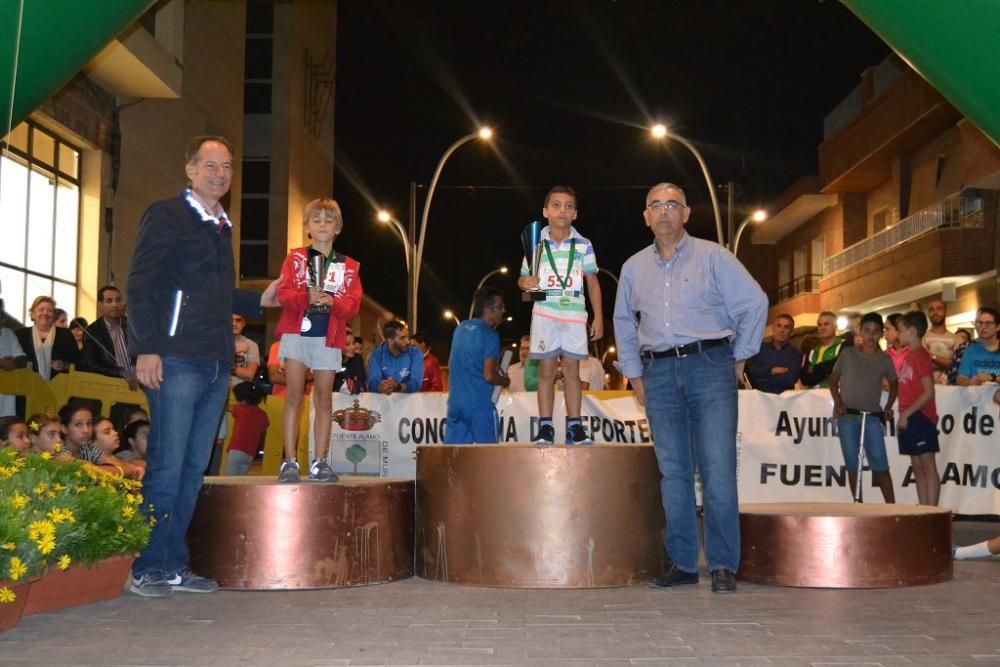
(105, 344)
(981, 360)
(11, 357)
(45, 435)
(49, 349)
(78, 430)
(432, 365)
(105, 436)
(250, 425)
(777, 366)
(818, 364)
(76, 327)
(964, 338)
(395, 366)
(14, 434)
(524, 374)
(135, 437)
(354, 377)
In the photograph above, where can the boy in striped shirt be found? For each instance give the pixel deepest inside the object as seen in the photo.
(559, 323)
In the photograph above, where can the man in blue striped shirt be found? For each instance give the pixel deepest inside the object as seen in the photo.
(685, 312)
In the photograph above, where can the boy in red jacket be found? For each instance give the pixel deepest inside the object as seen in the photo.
(319, 293)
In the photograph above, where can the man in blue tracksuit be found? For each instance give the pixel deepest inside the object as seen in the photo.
(395, 366)
(474, 369)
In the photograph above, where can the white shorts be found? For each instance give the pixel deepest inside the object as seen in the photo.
(551, 338)
(311, 351)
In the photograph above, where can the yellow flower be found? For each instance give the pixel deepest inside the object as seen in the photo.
(19, 500)
(17, 568)
(6, 595)
(80, 489)
(46, 456)
(58, 515)
(128, 512)
(7, 546)
(39, 530)
(64, 561)
(58, 487)
(41, 488)
(57, 447)
(152, 521)
(46, 546)
(121, 528)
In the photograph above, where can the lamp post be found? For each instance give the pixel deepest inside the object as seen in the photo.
(760, 215)
(449, 315)
(385, 217)
(485, 134)
(609, 274)
(659, 131)
(501, 270)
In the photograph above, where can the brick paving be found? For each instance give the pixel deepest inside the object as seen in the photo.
(416, 622)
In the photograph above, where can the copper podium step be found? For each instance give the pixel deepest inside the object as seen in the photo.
(253, 533)
(845, 545)
(521, 516)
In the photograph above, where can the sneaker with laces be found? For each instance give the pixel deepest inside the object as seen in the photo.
(577, 435)
(188, 582)
(546, 435)
(674, 576)
(320, 471)
(151, 585)
(289, 472)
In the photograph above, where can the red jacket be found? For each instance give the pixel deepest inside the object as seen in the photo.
(293, 294)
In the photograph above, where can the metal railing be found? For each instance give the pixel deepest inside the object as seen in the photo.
(964, 210)
(804, 284)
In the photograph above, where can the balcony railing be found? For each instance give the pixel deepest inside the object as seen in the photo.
(964, 210)
(808, 283)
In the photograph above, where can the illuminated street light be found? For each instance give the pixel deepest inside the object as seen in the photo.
(760, 215)
(385, 217)
(503, 270)
(484, 134)
(659, 131)
(449, 315)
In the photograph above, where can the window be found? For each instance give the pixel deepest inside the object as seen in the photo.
(40, 209)
(880, 220)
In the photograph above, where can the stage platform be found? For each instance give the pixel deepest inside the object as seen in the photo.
(525, 516)
(845, 545)
(254, 533)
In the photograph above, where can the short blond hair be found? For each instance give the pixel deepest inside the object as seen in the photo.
(42, 299)
(323, 204)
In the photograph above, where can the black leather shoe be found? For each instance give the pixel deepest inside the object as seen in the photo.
(673, 577)
(723, 581)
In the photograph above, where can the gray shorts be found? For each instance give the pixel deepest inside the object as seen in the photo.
(311, 351)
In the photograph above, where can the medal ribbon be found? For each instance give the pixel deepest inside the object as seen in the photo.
(569, 267)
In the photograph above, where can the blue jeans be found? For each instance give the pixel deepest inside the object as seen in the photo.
(691, 404)
(849, 432)
(184, 417)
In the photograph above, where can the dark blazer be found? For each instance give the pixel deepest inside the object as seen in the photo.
(63, 347)
(97, 345)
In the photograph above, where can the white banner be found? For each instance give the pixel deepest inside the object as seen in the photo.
(788, 449)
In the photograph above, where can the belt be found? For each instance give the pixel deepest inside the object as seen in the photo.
(686, 350)
(879, 414)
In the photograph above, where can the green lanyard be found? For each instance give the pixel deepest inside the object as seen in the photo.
(569, 267)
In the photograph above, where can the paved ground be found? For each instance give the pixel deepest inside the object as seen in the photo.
(416, 622)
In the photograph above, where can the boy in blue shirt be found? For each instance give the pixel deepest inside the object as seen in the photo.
(474, 369)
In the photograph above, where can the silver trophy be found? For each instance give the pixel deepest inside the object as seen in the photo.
(531, 242)
(315, 279)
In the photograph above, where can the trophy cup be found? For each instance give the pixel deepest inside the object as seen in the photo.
(531, 242)
(315, 279)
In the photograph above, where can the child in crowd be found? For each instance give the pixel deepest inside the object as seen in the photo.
(856, 387)
(135, 437)
(916, 427)
(894, 347)
(105, 436)
(250, 425)
(78, 430)
(45, 435)
(14, 434)
(320, 291)
(559, 323)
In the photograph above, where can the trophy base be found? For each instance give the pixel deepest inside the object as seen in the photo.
(532, 296)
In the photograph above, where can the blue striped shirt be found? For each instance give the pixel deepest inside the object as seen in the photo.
(702, 293)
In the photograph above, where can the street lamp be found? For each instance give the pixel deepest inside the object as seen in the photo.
(385, 217)
(503, 270)
(485, 134)
(449, 315)
(760, 215)
(609, 274)
(659, 131)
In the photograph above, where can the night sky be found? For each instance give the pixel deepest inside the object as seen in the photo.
(570, 89)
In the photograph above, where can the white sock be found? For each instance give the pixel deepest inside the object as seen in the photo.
(981, 550)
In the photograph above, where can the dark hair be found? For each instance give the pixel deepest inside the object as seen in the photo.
(990, 311)
(6, 423)
(78, 322)
(892, 319)
(421, 338)
(484, 298)
(194, 146)
(785, 316)
(245, 393)
(132, 430)
(915, 319)
(560, 190)
(871, 317)
(392, 328)
(100, 292)
(67, 411)
(57, 313)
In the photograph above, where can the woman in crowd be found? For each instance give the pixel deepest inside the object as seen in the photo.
(76, 327)
(61, 318)
(135, 436)
(49, 349)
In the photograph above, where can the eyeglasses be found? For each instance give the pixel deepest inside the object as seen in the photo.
(669, 205)
(985, 323)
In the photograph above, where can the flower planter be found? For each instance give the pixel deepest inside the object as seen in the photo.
(79, 584)
(11, 612)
